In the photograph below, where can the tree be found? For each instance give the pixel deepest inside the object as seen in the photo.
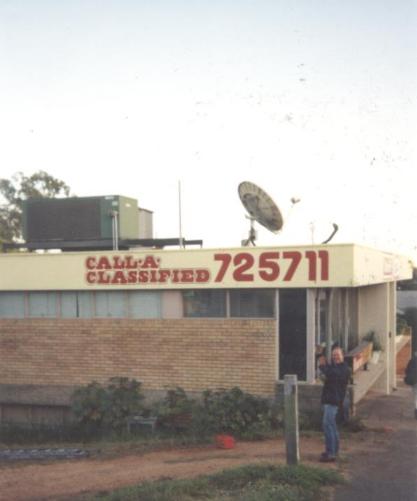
(19, 188)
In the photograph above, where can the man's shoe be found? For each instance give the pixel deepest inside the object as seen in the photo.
(325, 458)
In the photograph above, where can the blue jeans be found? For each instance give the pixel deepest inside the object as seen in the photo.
(331, 435)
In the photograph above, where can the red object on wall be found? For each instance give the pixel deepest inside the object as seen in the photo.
(224, 441)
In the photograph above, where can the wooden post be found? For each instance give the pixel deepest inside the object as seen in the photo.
(291, 419)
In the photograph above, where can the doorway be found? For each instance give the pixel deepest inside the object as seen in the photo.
(293, 333)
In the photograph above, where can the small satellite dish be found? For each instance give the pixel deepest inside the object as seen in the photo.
(261, 208)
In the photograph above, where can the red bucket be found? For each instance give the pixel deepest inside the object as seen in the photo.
(224, 441)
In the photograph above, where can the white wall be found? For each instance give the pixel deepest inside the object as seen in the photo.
(377, 312)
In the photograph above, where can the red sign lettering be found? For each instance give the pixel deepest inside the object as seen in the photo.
(268, 268)
(242, 267)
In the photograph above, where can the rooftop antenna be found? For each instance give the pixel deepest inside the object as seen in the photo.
(333, 233)
(312, 230)
(261, 208)
(335, 230)
(181, 240)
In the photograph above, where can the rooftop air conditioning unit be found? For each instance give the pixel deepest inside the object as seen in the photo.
(80, 218)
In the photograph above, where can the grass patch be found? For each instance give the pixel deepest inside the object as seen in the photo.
(110, 446)
(247, 483)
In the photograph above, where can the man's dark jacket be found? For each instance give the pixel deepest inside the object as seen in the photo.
(411, 372)
(335, 384)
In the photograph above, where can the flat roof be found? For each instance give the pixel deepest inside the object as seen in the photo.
(302, 266)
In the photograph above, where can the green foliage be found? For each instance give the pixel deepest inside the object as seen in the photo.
(372, 338)
(401, 324)
(99, 408)
(175, 410)
(176, 401)
(123, 399)
(95, 406)
(19, 188)
(223, 411)
(247, 483)
(232, 411)
(89, 404)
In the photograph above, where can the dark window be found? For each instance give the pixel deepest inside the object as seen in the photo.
(144, 304)
(69, 304)
(204, 303)
(252, 303)
(110, 304)
(77, 304)
(12, 304)
(292, 332)
(42, 304)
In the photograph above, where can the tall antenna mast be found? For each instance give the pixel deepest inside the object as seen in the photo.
(180, 215)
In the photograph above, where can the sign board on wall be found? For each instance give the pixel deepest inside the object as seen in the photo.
(254, 267)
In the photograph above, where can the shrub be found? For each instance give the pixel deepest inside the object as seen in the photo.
(232, 411)
(175, 410)
(89, 406)
(95, 406)
(124, 399)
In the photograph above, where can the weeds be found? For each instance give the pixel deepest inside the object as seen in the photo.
(248, 483)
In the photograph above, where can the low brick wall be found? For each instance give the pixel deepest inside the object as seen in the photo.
(309, 405)
(309, 401)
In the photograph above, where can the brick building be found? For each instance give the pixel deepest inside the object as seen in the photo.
(205, 318)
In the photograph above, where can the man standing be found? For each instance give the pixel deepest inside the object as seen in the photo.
(336, 374)
(411, 378)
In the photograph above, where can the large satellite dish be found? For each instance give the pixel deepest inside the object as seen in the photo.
(261, 208)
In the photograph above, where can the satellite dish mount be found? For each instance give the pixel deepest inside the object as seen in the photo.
(253, 234)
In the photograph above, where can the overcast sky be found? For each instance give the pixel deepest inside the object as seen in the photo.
(314, 99)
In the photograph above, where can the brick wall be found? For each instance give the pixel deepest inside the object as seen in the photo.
(192, 353)
(403, 357)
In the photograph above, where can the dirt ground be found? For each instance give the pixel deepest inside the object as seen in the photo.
(65, 479)
(381, 459)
